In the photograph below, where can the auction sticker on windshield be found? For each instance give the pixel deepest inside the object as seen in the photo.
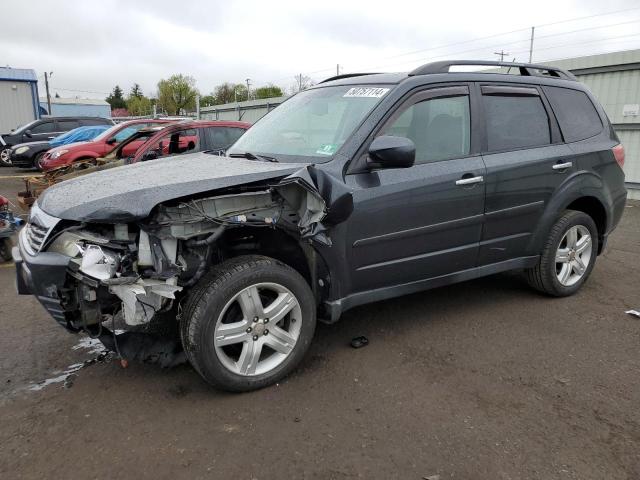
(366, 92)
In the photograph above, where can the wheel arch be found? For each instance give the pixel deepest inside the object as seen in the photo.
(280, 245)
(584, 192)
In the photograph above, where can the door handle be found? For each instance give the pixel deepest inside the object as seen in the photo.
(470, 180)
(562, 166)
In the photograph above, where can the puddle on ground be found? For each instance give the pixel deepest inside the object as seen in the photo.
(86, 344)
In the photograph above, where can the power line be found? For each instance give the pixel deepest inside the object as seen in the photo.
(495, 36)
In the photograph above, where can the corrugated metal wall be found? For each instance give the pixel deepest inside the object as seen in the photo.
(16, 104)
(250, 111)
(614, 90)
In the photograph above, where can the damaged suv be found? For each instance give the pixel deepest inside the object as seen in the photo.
(362, 188)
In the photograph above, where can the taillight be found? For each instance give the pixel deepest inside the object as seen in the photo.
(618, 152)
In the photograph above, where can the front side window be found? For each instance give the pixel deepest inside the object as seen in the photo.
(312, 125)
(515, 122)
(46, 127)
(576, 114)
(440, 128)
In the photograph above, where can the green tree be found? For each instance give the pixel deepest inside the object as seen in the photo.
(268, 91)
(136, 91)
(176, 93)
(229, 92)
(116, 98)
(139, 106)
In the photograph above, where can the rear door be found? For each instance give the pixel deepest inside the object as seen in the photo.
(425, 221)
(66, 125)
(526, 161)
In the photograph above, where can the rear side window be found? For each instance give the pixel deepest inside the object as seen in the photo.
(66, 125)
(515, 122)
(575, 112)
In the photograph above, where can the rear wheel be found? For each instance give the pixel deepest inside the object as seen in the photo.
(248, 323)
(5, 157)
(5, 249)
(568, 256)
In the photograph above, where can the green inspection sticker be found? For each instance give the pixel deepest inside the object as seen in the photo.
(326, 149)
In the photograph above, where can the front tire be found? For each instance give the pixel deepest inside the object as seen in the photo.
(37, 162)
(568, 257)
(248, 323)
(5, 157)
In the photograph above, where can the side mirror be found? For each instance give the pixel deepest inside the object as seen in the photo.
(112, 141)
(27, 133)
(391, 152)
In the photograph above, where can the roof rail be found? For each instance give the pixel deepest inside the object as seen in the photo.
(346, 75)
(525, 69)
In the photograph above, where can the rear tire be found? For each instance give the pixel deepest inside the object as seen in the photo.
(5, 249)
(226, 331)
(568, 257)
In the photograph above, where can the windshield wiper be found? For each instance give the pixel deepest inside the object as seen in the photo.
(253, 156)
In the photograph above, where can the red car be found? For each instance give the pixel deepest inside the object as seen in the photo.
(100, 146)
(183, 137)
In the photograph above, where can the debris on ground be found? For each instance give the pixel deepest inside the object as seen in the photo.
(145, 348)
(635, 313)
(359, 342)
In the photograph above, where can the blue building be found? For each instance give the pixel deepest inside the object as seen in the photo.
(75, 107)
(18, 97)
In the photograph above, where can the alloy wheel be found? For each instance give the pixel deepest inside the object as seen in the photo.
(5, 156)
(258, 329)
(573, 255)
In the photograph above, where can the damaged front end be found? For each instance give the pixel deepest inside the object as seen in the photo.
(133, 272)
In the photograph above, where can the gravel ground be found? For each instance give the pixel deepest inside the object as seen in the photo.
(481, 380)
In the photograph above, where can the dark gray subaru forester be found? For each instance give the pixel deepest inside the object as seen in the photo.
(362, 188)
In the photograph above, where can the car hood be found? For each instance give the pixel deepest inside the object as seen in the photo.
(130, 192)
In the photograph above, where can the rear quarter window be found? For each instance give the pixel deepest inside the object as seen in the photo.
(576, 114)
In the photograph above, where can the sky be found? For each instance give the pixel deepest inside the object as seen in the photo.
(92, 45)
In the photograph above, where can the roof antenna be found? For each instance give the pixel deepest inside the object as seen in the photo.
(512, 61)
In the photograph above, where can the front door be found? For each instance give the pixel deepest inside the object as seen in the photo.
(424, 221)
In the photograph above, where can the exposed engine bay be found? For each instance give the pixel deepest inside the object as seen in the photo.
(133, 271)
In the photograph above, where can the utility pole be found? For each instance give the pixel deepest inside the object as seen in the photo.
(338, 69)
(46, 84)
(198, 107)
(533, 29)
(502, 54)
(248, 87)
(300, 83)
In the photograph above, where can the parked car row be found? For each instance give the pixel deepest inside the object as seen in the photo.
(125, 143)
(43, 130)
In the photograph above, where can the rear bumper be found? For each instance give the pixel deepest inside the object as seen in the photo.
(42, 275)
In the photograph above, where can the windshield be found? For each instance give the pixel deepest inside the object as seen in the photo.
(312, 125)
(108, 133)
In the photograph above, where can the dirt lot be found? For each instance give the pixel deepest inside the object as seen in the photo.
(483, 380)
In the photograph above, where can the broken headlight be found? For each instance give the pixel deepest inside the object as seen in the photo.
(98, 263)
(67, 242)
